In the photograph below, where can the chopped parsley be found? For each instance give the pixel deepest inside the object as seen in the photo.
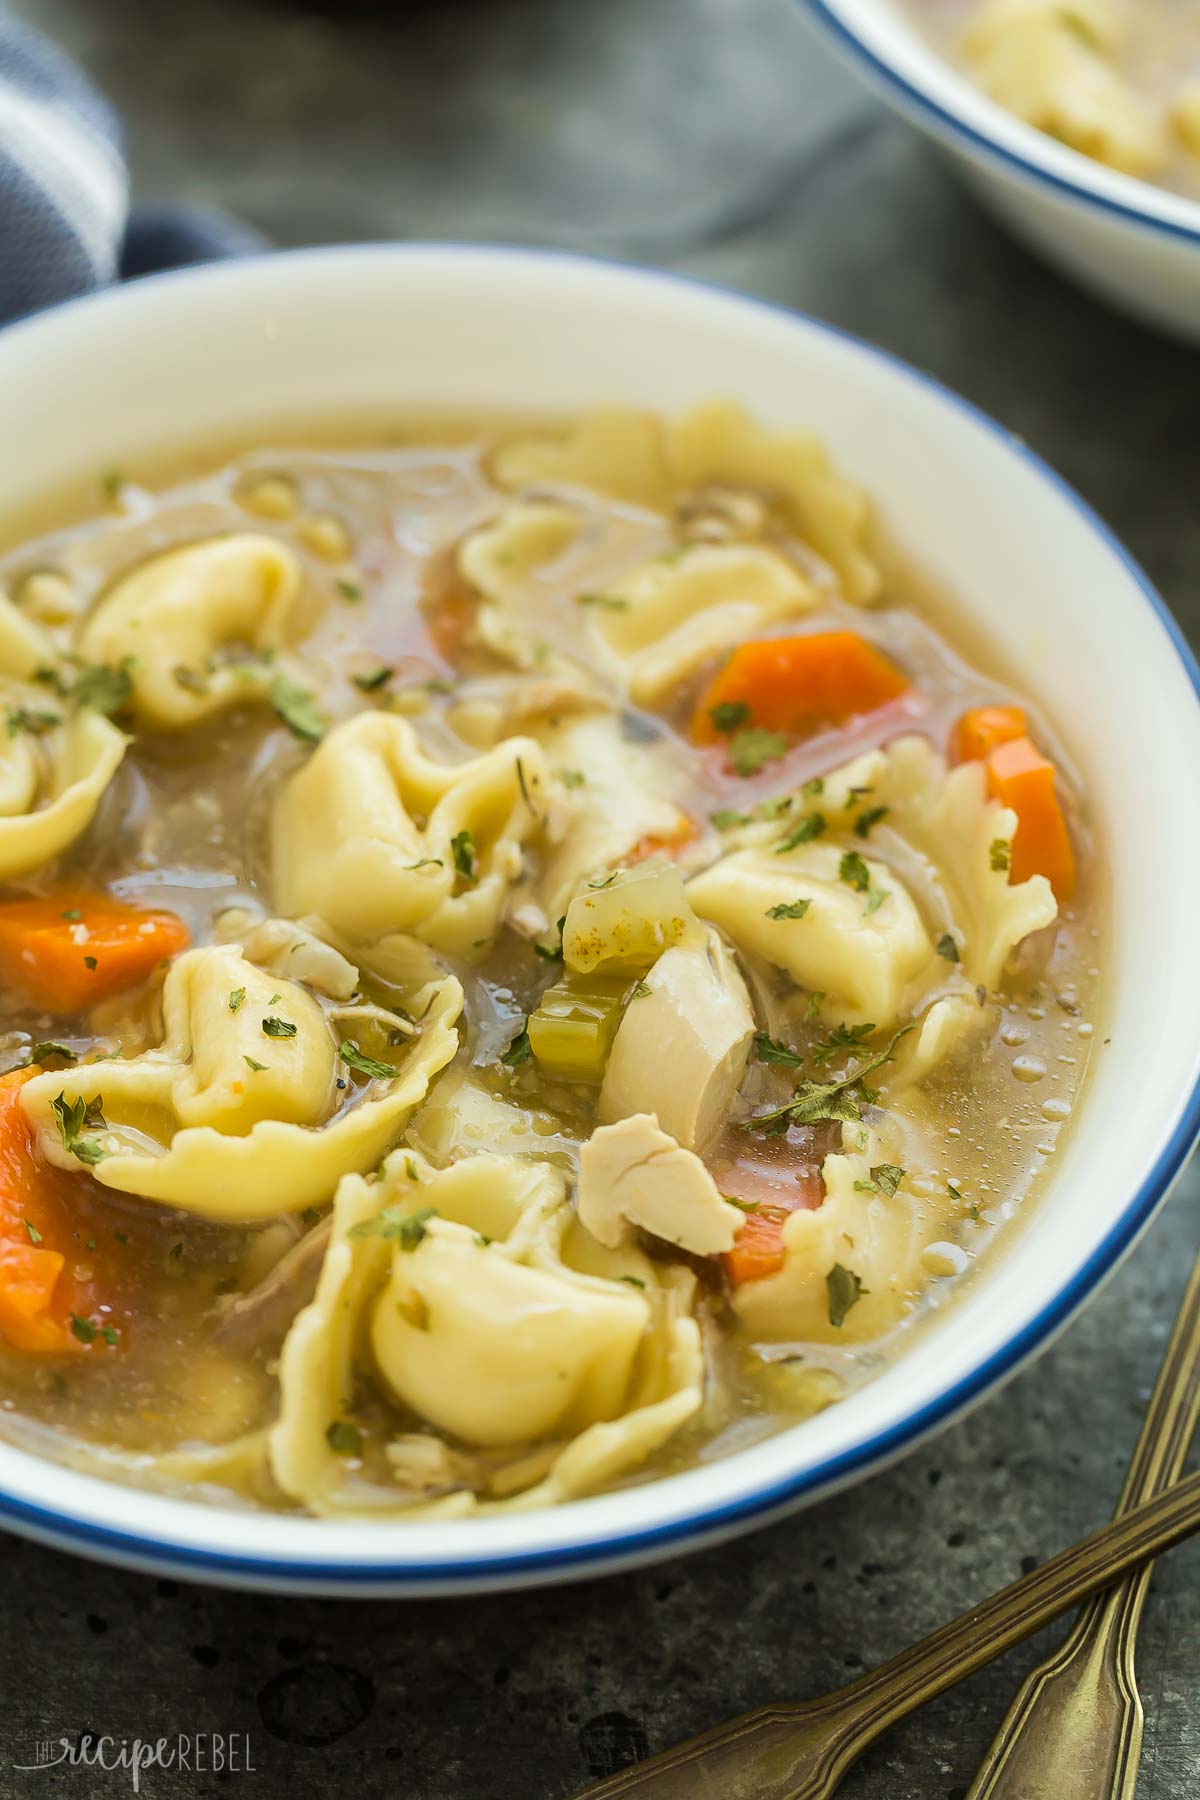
(729, 715)
(462, 846)
(811, 826)
(425, 862)
(194, 680)
(999, 854)
(236, 998)
(789, 909)
(885, 1179)
(83, 1329)
(407, 1229)
(608, 602)
(349, 590)
(369, 1066)
(770, 1050)
(32, 1232)
(855, 873)
(726, 819)
(519, 1050)
(89, 962)
(947, 947)
(746, 1206)
(40, 1052)
(842, 1037)
(552, 952)
(842, 1099)
(297, 707)
(22, 718)
(252, 1064)
(864, 822)
(73, 1118)
(105, 689)
(845, 1290)
(370, 684)
(751, 749)
(812, 1007)
(278, 1028)
(813, 786)
(633, 1280)
(640, 990)
(572, 778)
(343, 1438)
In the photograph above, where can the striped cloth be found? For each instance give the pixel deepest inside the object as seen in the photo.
(65, 227)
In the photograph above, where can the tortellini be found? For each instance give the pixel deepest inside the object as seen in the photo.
(372, 835)
(634, 458)
(191, 626)
(473, 1299)
(1051, 63)
(234, 1116)
(931, 871)
(852, 1267)
(56, 759)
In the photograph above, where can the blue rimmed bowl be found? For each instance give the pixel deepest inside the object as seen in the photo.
(238, 349)
(1136, 245)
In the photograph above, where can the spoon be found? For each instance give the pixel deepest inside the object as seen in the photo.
(801, 1752)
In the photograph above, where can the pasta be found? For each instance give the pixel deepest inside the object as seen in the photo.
(514, 1002)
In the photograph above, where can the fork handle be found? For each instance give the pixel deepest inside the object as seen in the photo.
(802, 1752)
(1074, 1730)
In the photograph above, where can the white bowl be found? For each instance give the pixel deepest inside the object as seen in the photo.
(228, 349)
(1135, 244)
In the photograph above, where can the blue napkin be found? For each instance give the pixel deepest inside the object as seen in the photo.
(65, 224)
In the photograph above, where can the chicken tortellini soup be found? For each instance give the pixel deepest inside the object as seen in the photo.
(1117, 80)
(528, 961)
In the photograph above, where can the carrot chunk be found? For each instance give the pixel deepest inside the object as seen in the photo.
(666, 842)
(796, 685)
(758, 1248)
(984, 729)
(39, 1295)
(1020, 777)
(66, 950)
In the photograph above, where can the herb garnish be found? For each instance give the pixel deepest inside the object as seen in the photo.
(89, 962)
(885, 1179)
(73, 1118)
(32, 1232)
(864, 822)
(728, 715)
(811, 826)
(369, 1066)
(297, 707)
(256, 1066)
(407, 1229)
(842, 1037)
(21, 718)
(751, 749)
(572, 778)
(369, 684)
(349, 590)
(519, 1050)
(278, 1028)
(770, 1050)
(609, 602)
(845, 1290)
(999, 854)
(854, 871)
(106, 690)
(812, 1101)
(462, 844)
(235, 999)
(343, 1438)
(39, 1052)
(793, 909)
(947, 947)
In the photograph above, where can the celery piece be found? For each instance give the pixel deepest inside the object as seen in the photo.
(572, 1031)
(627, 920)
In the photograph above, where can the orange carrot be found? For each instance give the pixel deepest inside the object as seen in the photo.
(983, 730)
(758, 1248)
(39, 1294)
(1020, 777)
(66, 950)
(796, 685)
(684, 832)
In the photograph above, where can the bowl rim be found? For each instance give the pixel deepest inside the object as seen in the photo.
(685, 1527)
(1002, 138)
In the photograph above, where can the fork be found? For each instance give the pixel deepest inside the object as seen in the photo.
(1074, 1730)
(801, 1752)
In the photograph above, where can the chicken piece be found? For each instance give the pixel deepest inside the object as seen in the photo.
(634, 1174)
(682, 1046)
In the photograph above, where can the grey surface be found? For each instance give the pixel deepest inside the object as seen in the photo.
(710, 136)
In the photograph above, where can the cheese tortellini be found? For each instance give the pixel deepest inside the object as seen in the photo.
(191, 626)
(235, 1116)
(374, 836)
(478, 1305)
(56, 758)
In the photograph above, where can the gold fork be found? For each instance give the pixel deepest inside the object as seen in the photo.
(801, 1752)
(1074, 1731)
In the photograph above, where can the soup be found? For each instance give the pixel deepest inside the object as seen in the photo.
(529, 960)
(1118, 81)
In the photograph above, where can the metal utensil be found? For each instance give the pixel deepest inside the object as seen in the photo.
(802, 1752)
(1074, 1731)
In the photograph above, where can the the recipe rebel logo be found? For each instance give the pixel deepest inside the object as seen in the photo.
(185, 1753)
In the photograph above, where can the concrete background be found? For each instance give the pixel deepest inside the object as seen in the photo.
(711, 136)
